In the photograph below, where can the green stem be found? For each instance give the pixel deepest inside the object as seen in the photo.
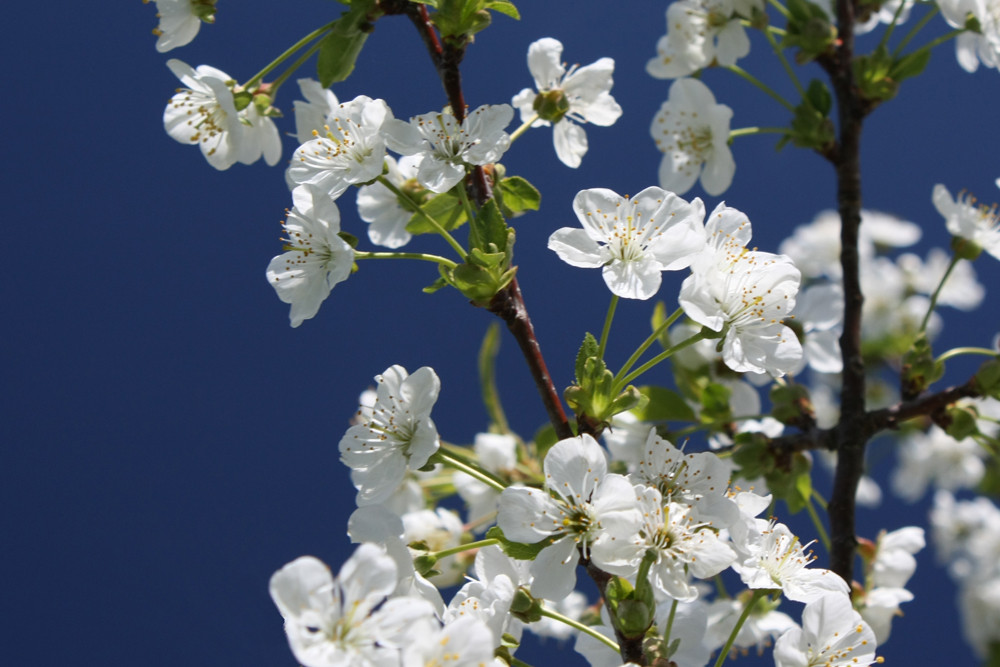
(487, 378)
(452, 460)
(524, 128)
(823, 537)
(406, 255)
(663, 356)
(653, 337)
(784, 63)
(942, 39)
(781, 8)
(293, 67)
(937, 293)
(470, 212)
(607, 326)
(884, 42)
(586, 629)
(820, 500)
(694, 428)
(924, 20)
(747, 131)
(954, 352)
(256, 78)
(757, 594)
(444, 553)
(736, 69)
(670, 623)
(433, 223)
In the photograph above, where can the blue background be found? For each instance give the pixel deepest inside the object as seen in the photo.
(168, 441)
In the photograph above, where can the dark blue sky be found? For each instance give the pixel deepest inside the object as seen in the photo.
(168, 441)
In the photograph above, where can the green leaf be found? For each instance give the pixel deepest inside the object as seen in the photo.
(910, 65)
(446, 208)
(819, 97)
(340, 48)
(488, 231)
(504, 7)
(517, 195)
(517, 550)
(664, 405)
(487, 260)
(588, 349)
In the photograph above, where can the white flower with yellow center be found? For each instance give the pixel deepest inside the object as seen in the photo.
(180, 21)
(692, 132)
(967, 219)
(447, 145)
(316, 258)
(397, 433)
(832, 635)
(348, 150)
(634, 240)
(700, 32)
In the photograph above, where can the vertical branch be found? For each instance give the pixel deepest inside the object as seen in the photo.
(508, 303)
(852, 431)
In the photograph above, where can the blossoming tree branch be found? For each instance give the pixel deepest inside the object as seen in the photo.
(666, 497)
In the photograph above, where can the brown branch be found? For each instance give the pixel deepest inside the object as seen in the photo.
(631, 648)
(922, 406)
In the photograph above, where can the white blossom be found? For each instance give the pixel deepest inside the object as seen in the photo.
(439, 529)
(180, 21)
(447, 145)
(582, 506)
(318, 110)
(745, 295)
(936, 458)
(961, 290)
(692, 132)
(382, 209)
(332, 622)
(204, 113)
(966, 219)
(496, 453)
(973, 48)
(700, 32)
(567, 97)
(764, 624)
(348, 150)
(398, 435)
(465, 642)
(316, 258)
(832, 635)
(633, 239)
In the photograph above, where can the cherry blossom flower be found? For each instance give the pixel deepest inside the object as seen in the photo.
(447, 145)
(819, 311)
(581, 505)
(778, 560)
(962, 290)
(700, 32)
(832, 635)
(318, 110)
(347, 620)
(692, 132)
(488, 596)
(634, 240)
(180, 21)
(683, 546)
(567, 97)
(764, 624)
(204, 113)
(744, 294)
(965, 219)
(316, 258)
(973, 48)
(496, 453)
(465, 642)
(936, 457)
(879, 606)
(348, 150)
(439, 529)
(382, 209)
(398, 435)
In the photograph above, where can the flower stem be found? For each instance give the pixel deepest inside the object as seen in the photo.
(464, 547)
(757, 594)
(293, 67)
(453, 460)
(406, 255)
(586, 629)
(670, 623)
(653, 337)
(524, 128)
(924, 20)
(470, 212)
(736, 69)
(954, 352)
(942, 39)
(747, 131)
(884, 42)
(621, 383)
(256, 78)
(781, 8)
(487, 378)
(823, 537)
(784, 63)
(434, 223)
(937, 293)
(607, 326)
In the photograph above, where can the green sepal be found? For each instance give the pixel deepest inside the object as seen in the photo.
(920, 369)
(446, 208)
(961, 420)
(663, 405)
(242, 100)
(517, 550)
(552, 105)
(435, 286)
(349, 238)
(525, 607)
(987, 379)
(339, 50)
(517, 195)
(424, 564)
(965, 248)
(487, 260)
(631, 610)
(479, 284)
